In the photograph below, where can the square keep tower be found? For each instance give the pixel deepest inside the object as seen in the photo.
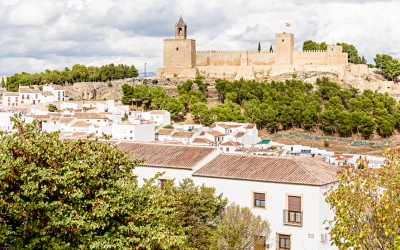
(284, 48)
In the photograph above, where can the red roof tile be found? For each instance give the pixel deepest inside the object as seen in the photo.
(239, 134)
(167, 156)
(186, 134)
(202, 140)
(215, 133)
(89, 116)
(302, 170)
(231, 143)
(224, 125)
(165, 131)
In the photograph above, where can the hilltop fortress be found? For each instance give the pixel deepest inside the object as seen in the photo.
(182, 60)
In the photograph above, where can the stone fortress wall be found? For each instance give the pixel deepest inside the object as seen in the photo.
(182, 60)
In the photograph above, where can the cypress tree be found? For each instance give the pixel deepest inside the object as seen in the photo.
(259, 47)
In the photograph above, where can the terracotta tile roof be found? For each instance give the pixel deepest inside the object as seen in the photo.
(158, 112)
(66, 120)
(186, 134)
(250, 126)
(67, 115)
(84, 115)
(231, 143)
(78, 133)
(165, 131)
(41, 117)
(81, 124)
(213, 125)
(55, 118)
(202, 140)
(215, 133)
(302, 170)
(202, 133)
(55, 114)
(24, 90)
(47, 93)
(167, 156)
(105, 113)
(239, 134)
(10, 94)
(224, 125)
(57, 87)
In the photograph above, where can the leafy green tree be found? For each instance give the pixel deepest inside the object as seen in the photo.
(329, 118)
(52, 108)
(174, 107)
(241, 229)
(367, 125)
(366, 203)
(201, 114)
(311, 45)
(389, 66)
(345, 123)
(79, 195)
(270, 49)
(352, 52)
(200, 210)
(128, 94)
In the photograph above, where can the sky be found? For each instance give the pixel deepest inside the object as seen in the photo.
(36, 35)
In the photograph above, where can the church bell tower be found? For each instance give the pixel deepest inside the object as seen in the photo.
(180, 29)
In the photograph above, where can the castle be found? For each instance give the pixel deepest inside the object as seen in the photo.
(182, 60)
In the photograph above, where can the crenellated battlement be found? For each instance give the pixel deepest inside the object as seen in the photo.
(310, 51)
(234, 51)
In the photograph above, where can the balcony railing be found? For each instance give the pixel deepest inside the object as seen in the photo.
(293, 217)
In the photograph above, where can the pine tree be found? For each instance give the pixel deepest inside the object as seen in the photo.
(259, 47)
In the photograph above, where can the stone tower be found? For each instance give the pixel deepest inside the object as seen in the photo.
(179, 54)
(284, 48)
(180, 29)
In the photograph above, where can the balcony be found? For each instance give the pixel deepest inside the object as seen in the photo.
(293, 218)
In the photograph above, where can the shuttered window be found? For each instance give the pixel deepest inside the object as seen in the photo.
(294, 203)
(259, 199)
(284, 241)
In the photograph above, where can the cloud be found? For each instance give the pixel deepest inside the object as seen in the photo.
(36, 35)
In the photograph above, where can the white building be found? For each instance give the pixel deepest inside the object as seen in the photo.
(244, 133)
(30, 96)
(160, 117)
(127, 131)
(11, 99)
(287, 191)
(58, 92)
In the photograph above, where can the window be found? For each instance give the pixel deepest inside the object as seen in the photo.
(162, 180)
(23, 97)
(293, 215)
(227, 149)
(36, 96)
(259, 200)
(283, 40)
(283, 241)
(161, 183)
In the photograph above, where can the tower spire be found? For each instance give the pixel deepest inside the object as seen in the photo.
(180, 29)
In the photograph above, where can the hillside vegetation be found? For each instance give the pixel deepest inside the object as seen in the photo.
(277, 106)
(78, 73)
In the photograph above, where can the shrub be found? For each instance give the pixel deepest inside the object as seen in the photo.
(326, 144)
(109, 84)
